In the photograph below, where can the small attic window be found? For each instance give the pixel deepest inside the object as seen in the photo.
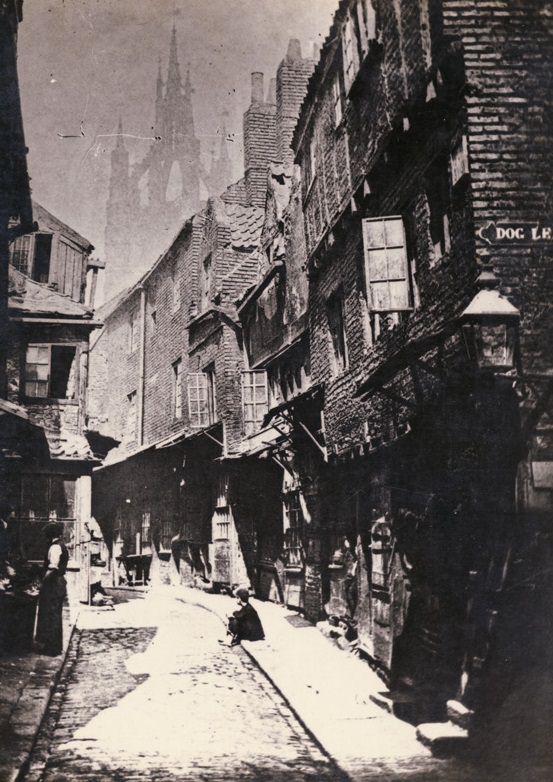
(43, 251)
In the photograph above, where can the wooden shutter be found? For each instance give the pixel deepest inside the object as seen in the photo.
(337, 98)
(349, 52)
(386, 264)
(198, 407)
(255, 399)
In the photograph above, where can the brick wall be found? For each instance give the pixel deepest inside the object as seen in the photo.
(291, 82)
(391, 131)
(508, 53)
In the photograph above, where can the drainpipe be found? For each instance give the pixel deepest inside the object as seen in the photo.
(141, 365)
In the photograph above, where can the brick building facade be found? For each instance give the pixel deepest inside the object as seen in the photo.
(361, 347)
(47, 457)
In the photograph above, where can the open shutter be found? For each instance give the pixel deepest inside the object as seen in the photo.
(349, 52)
(198, 408)
(386, 264)
(255, 399)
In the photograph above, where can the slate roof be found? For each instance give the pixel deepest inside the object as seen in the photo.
(27, 297)
(245, 224)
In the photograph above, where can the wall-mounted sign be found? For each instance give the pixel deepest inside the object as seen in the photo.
(516, 233)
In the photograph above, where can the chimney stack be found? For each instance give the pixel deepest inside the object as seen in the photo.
(294, 50)
(292, 77)
(257, 87)
(259, 140)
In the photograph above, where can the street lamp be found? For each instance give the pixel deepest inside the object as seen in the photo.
(490, 327)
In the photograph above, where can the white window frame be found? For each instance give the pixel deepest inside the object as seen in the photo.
(255, 399)
(48, 379)
(389, 250)
(201, 398)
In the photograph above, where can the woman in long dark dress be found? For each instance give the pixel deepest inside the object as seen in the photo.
(49, 630)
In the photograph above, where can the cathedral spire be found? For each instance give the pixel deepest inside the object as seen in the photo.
(174, 82)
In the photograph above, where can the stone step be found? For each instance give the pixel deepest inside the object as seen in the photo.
(387, 698)
(459, 714)
(442, 738)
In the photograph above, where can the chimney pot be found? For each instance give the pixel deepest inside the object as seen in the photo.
(257, 87)
(294, 50)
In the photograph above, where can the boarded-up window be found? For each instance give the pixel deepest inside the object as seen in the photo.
(19, 253)
(255, 400)
(386, 264)
(51, 371)
(70, 269)
(349, 52)
(177, 389)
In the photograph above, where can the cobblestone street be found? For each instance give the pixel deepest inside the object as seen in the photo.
(148, 692)
(135, 704)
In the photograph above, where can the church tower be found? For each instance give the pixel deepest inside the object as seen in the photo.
(148, 202)
(174, 158)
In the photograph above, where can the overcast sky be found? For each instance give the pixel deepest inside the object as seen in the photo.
(91, 61)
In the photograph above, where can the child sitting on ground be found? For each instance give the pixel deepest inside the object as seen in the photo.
(244, 624)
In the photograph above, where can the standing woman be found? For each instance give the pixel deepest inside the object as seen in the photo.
(49, 631)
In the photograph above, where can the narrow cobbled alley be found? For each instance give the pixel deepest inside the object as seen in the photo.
(148, 692)
(168, 702)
